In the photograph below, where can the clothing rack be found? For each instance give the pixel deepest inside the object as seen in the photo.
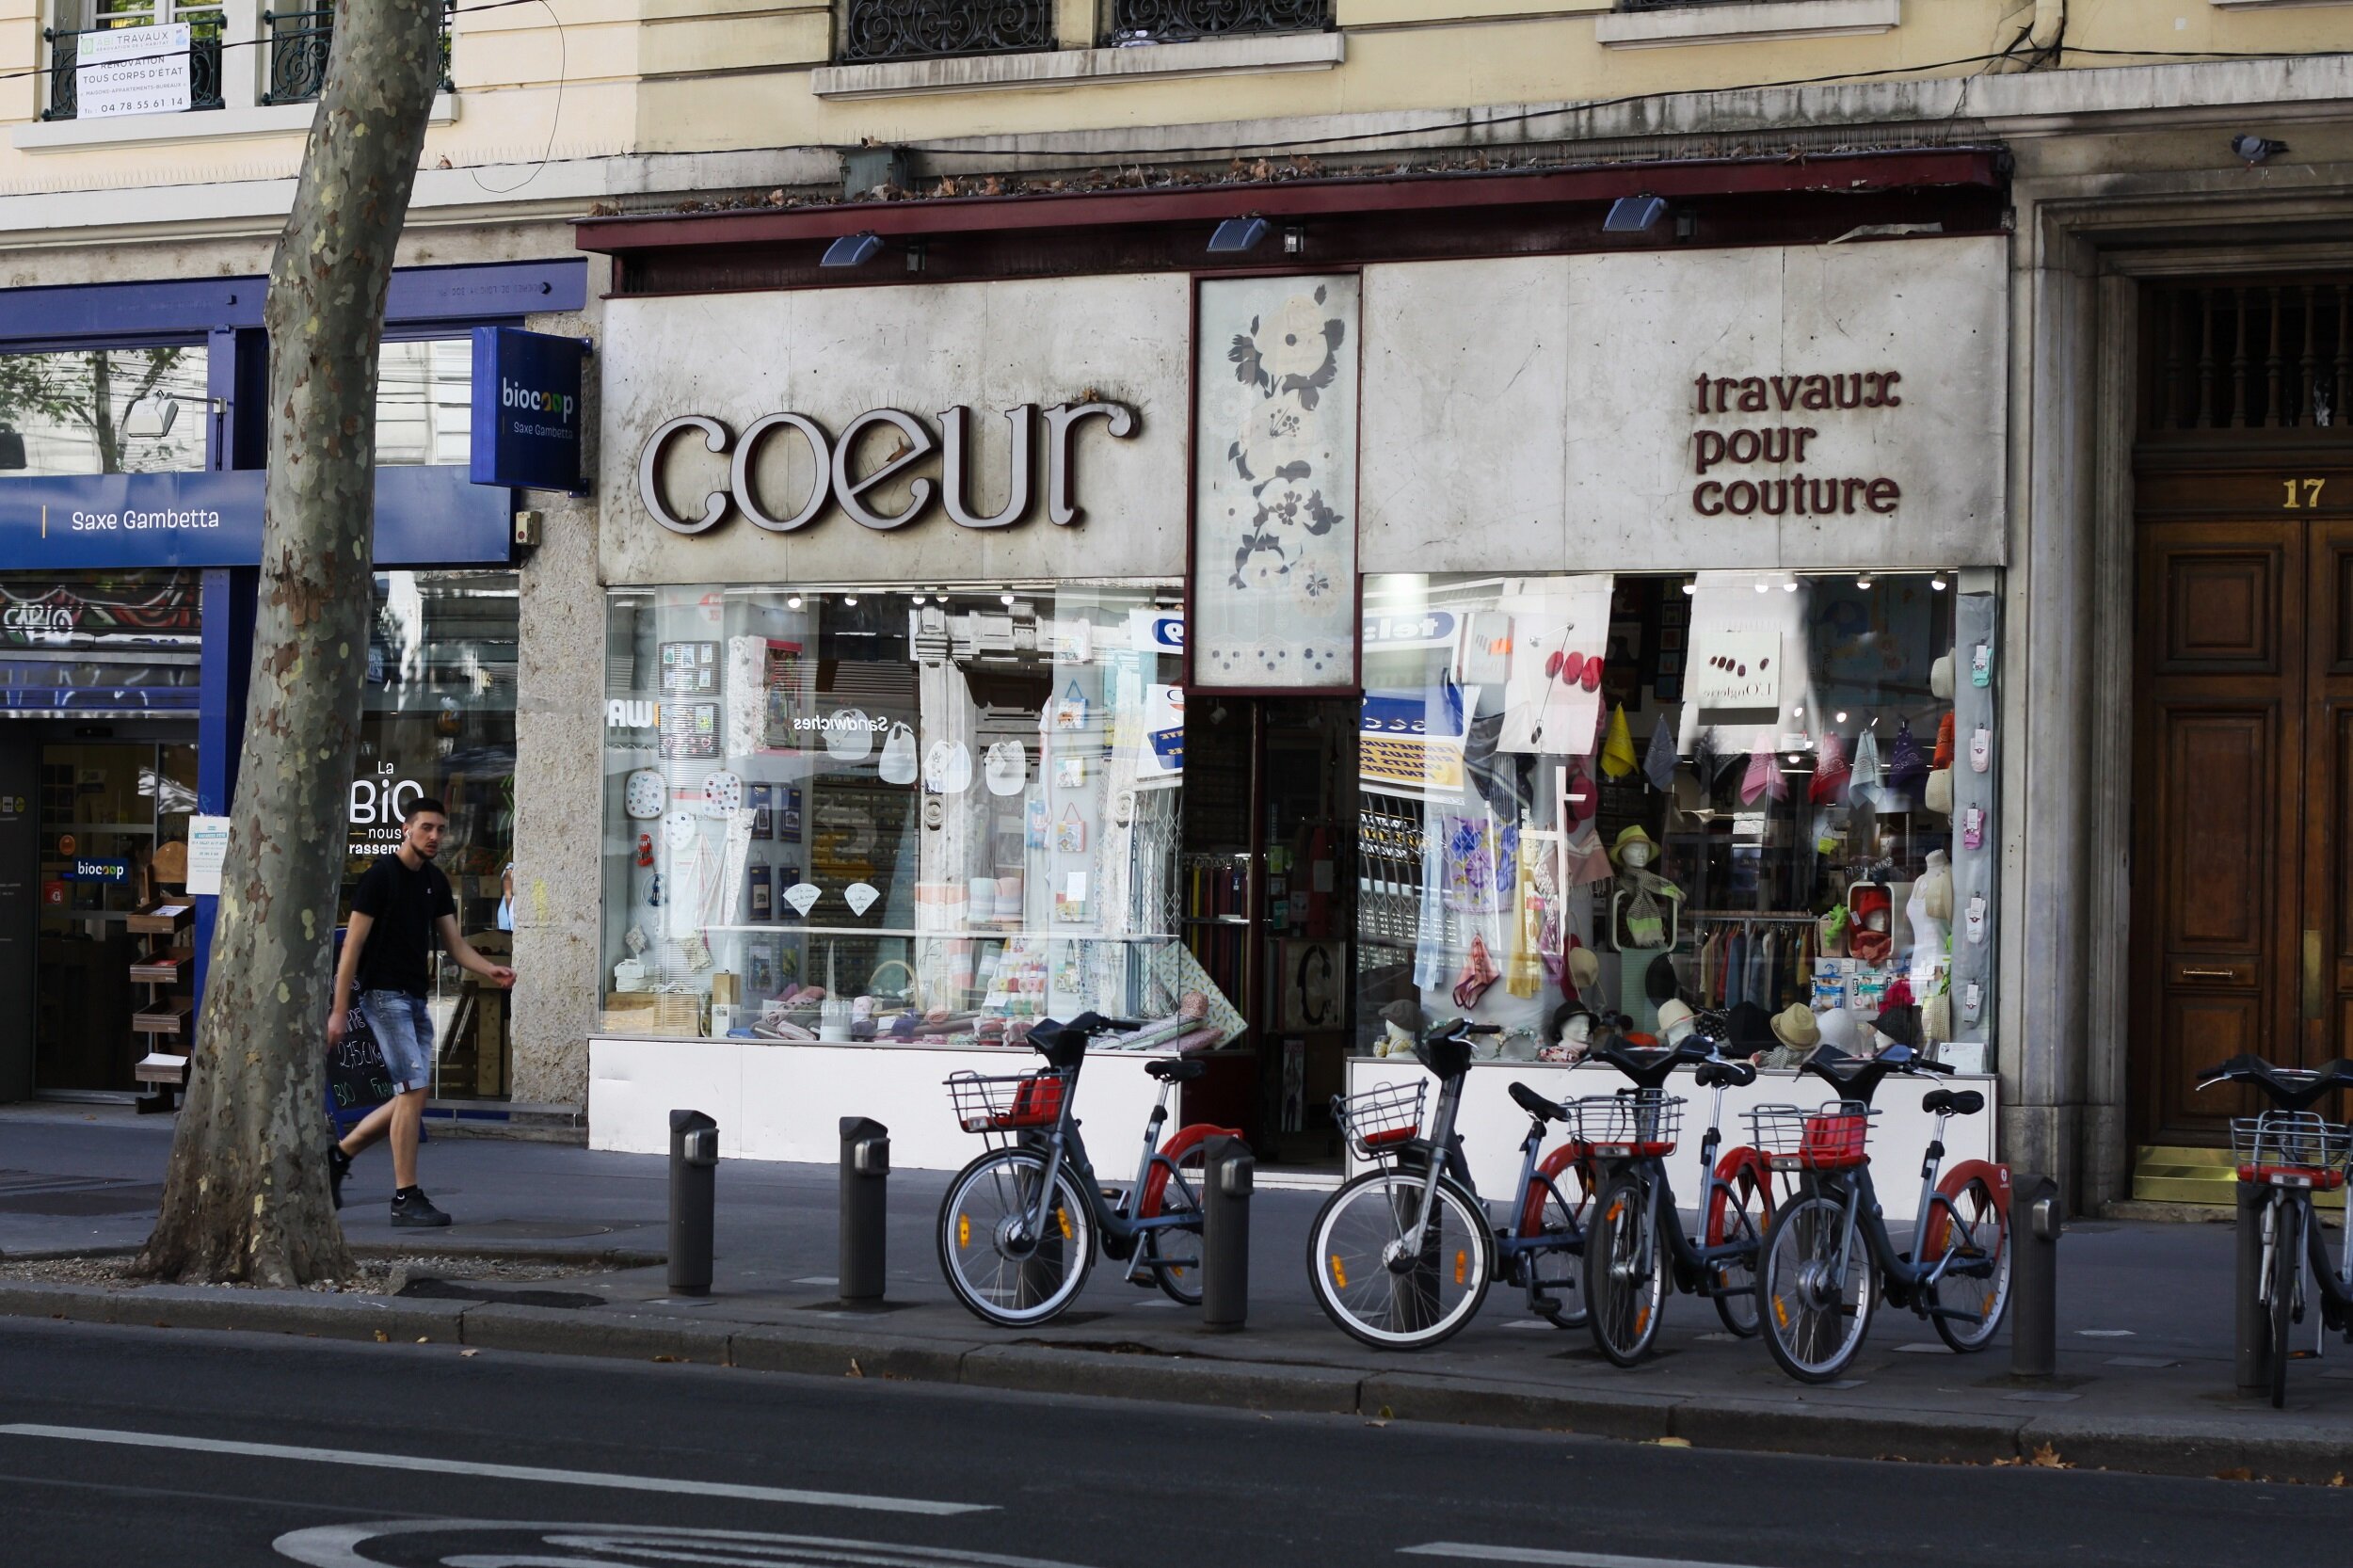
(1751, 956)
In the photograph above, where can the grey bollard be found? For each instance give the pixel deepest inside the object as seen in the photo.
(2034, 1225)
(2254, 1328)
(865, 1207)
(1228, 1181)
(693, 1189)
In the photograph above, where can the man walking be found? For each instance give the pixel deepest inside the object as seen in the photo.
(400, 904)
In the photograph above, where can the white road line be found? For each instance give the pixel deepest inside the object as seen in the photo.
(663, 1484)
(1550, 1560)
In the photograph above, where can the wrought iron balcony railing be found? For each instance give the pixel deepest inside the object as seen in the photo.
(298, 44)
(930, 30)
(1133, 21)
(65, 57)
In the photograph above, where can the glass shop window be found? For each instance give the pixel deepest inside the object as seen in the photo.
(1759, 807)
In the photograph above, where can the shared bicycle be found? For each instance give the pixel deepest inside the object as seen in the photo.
(1638, 1243)
(1020, 1226)
(1828, 1255)
(2293, 1152)
(1402, 1256)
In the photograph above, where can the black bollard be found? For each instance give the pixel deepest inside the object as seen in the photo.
(865, 1207)
(693, 1189)
(2034, 1225)
(1227, 1179)
(2253, 1323)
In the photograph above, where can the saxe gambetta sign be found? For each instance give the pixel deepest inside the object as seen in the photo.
(835, 481)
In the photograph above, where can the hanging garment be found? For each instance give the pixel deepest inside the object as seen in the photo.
(1658, 765)
(1864, 777)
(1831, 773)
(1617, 752)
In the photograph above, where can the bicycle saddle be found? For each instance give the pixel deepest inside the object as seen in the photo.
(1176, 1070)
(1952, 1102)
(1536, 1104)
(2290, 1088)
(1856, 1077)
(1724, 1074)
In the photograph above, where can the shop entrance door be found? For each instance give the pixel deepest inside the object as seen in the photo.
(103, 807)
(2243, 867)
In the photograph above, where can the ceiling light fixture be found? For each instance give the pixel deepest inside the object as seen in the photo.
(1937, 583)
(849, 599)
(1863, 580)
(792, 602)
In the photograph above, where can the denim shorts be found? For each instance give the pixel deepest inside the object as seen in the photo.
(403, 1027)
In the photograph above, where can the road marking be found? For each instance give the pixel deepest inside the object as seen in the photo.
(619, 1545)
(1551, 1560)
(663, 1484)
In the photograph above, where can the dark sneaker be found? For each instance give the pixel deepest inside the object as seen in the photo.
(338, 1167)
(413, 1207)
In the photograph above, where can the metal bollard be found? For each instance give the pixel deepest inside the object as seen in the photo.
(1228, 1181)
(2254, 1328)
(2034, 1225)
(693, 1189)
(865, 1206)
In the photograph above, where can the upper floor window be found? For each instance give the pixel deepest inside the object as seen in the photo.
(925, 29)
(1137, 21)
(133, 56)
(299, 41)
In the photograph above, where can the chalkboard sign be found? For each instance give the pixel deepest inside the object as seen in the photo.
(356, 1079)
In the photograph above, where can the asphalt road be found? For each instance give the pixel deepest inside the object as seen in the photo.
(144, 1447)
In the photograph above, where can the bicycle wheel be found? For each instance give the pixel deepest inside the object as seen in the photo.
(1000, 1274)
(1738, 1213)
(2287, 1250)
(1390, 1302)
(1625, 1278)
(1174, 1256)
(1556, 1277)
(1975, 1234)
(1815, 1314)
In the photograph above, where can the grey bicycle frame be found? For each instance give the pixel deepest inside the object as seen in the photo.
(1863, 1205)
(1066, 1144)
(1443, 1158)
(2337, 1285)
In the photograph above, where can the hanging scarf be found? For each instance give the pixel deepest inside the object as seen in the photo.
(1831, 773)
(1658, 765)
(1617, 752)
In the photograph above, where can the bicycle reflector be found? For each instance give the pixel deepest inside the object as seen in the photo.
(1339, 1271)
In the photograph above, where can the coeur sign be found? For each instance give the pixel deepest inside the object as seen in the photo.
(836, 484)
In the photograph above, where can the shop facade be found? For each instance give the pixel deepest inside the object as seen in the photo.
(131, 425)
(1285, 659)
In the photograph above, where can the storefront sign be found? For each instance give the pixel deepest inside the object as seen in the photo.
(527, 409)
(423, 517)
(121, 70)
(1761, 453)
(99, 871)
(835, 481)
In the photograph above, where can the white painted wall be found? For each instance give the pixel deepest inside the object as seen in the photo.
(785, 1102)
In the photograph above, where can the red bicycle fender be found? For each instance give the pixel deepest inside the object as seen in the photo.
(1186, 1139)
(1532, 1210)
(1736, 1160)
(1996, 1182)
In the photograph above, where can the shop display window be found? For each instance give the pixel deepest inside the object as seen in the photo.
(438, 719)
(104, 410)
(1759, 807)
(933, 816)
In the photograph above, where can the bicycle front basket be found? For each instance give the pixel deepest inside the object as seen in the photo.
(1831, 1137)
(1634, 1126)
(1003, 1104)
(2291, 1148)
(1381, 1118)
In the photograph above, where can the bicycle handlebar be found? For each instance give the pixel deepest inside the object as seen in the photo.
(2289, 1088)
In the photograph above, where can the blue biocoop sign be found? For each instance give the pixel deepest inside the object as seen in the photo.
(527, 409)
(85, 870)
(213, 518)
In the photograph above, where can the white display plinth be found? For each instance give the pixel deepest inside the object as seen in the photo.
(1492, 1125)
(785, 1100)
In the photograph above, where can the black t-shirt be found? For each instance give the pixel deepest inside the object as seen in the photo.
(398, 953)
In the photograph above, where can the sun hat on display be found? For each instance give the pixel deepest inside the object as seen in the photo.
(1794, 1027)
(1631, 834)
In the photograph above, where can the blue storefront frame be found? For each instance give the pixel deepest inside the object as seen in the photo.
(432, 516)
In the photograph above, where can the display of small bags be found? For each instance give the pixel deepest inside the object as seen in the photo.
(723, 794)
(1070, 833)
(849, 735)
(1071, 711)
(1005, 768)
(644, 795)
(947, 768)
(898, 756)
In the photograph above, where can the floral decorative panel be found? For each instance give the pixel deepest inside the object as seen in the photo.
(1274, 484)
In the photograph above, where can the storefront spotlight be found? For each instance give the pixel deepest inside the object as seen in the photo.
(1691, 587)
(852, 249)
(1937, 582)
(793, 603)
(1863, 580)
(1634, 215)
(1004, 599)
(1790, 586)
(849, 599)
(1237, 234)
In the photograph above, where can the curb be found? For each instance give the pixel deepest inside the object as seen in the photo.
(2254, 1449)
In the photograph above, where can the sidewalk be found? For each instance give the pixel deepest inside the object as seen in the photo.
(2145, 1316)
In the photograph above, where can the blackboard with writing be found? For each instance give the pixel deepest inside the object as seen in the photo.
(356, 1079)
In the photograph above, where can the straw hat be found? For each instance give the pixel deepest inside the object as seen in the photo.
(1584, 969)
(1671, 1013)
(1632, 835)
(1794, 1027)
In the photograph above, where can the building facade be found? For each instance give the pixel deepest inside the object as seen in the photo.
(2052, 295)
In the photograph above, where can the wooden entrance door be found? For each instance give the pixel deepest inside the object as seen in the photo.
(2243, 870)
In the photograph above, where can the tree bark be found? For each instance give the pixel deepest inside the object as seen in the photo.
(245, 1197)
